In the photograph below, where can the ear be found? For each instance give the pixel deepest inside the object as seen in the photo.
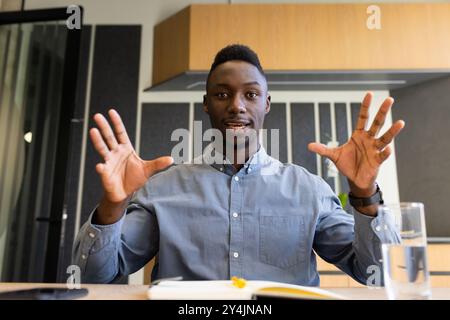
(268, 103)
(205, 104)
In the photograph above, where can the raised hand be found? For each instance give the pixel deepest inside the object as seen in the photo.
(123, 172)
(360, 158)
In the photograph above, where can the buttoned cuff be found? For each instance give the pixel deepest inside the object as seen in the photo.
(95, 237)
(382, 226)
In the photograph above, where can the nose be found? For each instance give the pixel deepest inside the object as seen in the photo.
(237, 105)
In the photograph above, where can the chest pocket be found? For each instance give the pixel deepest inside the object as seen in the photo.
(282, 240)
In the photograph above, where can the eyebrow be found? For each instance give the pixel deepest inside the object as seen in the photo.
(245, 84)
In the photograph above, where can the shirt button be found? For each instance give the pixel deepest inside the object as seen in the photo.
(249, 170)
(236, 254)
(378, 228)
(91, 234)
(83, 256)
(221, 169)
(235, 215)
(236, 178)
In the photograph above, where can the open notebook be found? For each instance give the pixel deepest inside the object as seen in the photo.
(226, 290)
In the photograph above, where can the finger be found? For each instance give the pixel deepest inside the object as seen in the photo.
(100, 167)
(106, 131)
(385, 154)
(119, 127)
(364, 112)
(98, 142)
(378, 122)
(153, 166)
(322, 150)
(389, 135)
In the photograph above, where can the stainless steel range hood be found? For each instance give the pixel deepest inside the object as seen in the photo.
(319, 80)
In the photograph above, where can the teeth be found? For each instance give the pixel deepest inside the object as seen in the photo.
(236, 125)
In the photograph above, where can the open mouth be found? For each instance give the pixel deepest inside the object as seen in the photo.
(236, 125)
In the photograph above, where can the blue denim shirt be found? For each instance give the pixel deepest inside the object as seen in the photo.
(265, 222)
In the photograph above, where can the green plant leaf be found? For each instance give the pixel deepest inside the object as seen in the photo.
(343, 197)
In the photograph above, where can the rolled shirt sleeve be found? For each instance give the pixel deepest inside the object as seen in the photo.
(352, 242)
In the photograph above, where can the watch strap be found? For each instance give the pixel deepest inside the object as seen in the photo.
(376, 198)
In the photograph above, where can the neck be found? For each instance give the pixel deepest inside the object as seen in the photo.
(242, 153)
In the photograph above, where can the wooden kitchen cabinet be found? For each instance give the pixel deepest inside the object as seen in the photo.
(302, 37)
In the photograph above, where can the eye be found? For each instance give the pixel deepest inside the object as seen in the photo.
(222, 95)
(252, 95)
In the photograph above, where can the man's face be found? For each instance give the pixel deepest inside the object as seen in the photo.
(236, 97)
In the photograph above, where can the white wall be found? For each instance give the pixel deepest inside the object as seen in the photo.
(150, 12)
(10, 5)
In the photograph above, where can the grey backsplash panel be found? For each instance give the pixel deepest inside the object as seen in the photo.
(340, 111)
(201, 115)
(354, 109)
(158, 121)
(423, 150)
(303, 132)
(325, 137)
(115, 80)
(276, 119)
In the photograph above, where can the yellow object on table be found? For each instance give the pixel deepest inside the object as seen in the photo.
(239, 282)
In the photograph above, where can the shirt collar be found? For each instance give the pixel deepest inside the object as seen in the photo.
(255, 162)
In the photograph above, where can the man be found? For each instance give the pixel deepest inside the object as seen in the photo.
(215, 221)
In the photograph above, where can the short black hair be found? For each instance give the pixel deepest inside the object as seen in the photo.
(236, 52)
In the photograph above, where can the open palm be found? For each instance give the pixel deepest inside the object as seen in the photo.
(123, 171)
(360, 158)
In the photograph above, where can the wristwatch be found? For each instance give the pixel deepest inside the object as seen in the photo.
(376, 198)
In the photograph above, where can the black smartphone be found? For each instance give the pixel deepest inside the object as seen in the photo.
(44, 294)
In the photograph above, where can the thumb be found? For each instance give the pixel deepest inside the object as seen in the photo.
(321, 149)
(158, 164)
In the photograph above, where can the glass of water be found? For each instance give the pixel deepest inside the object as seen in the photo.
(405, 264)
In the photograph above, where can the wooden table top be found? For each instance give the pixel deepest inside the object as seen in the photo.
(139, 292)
